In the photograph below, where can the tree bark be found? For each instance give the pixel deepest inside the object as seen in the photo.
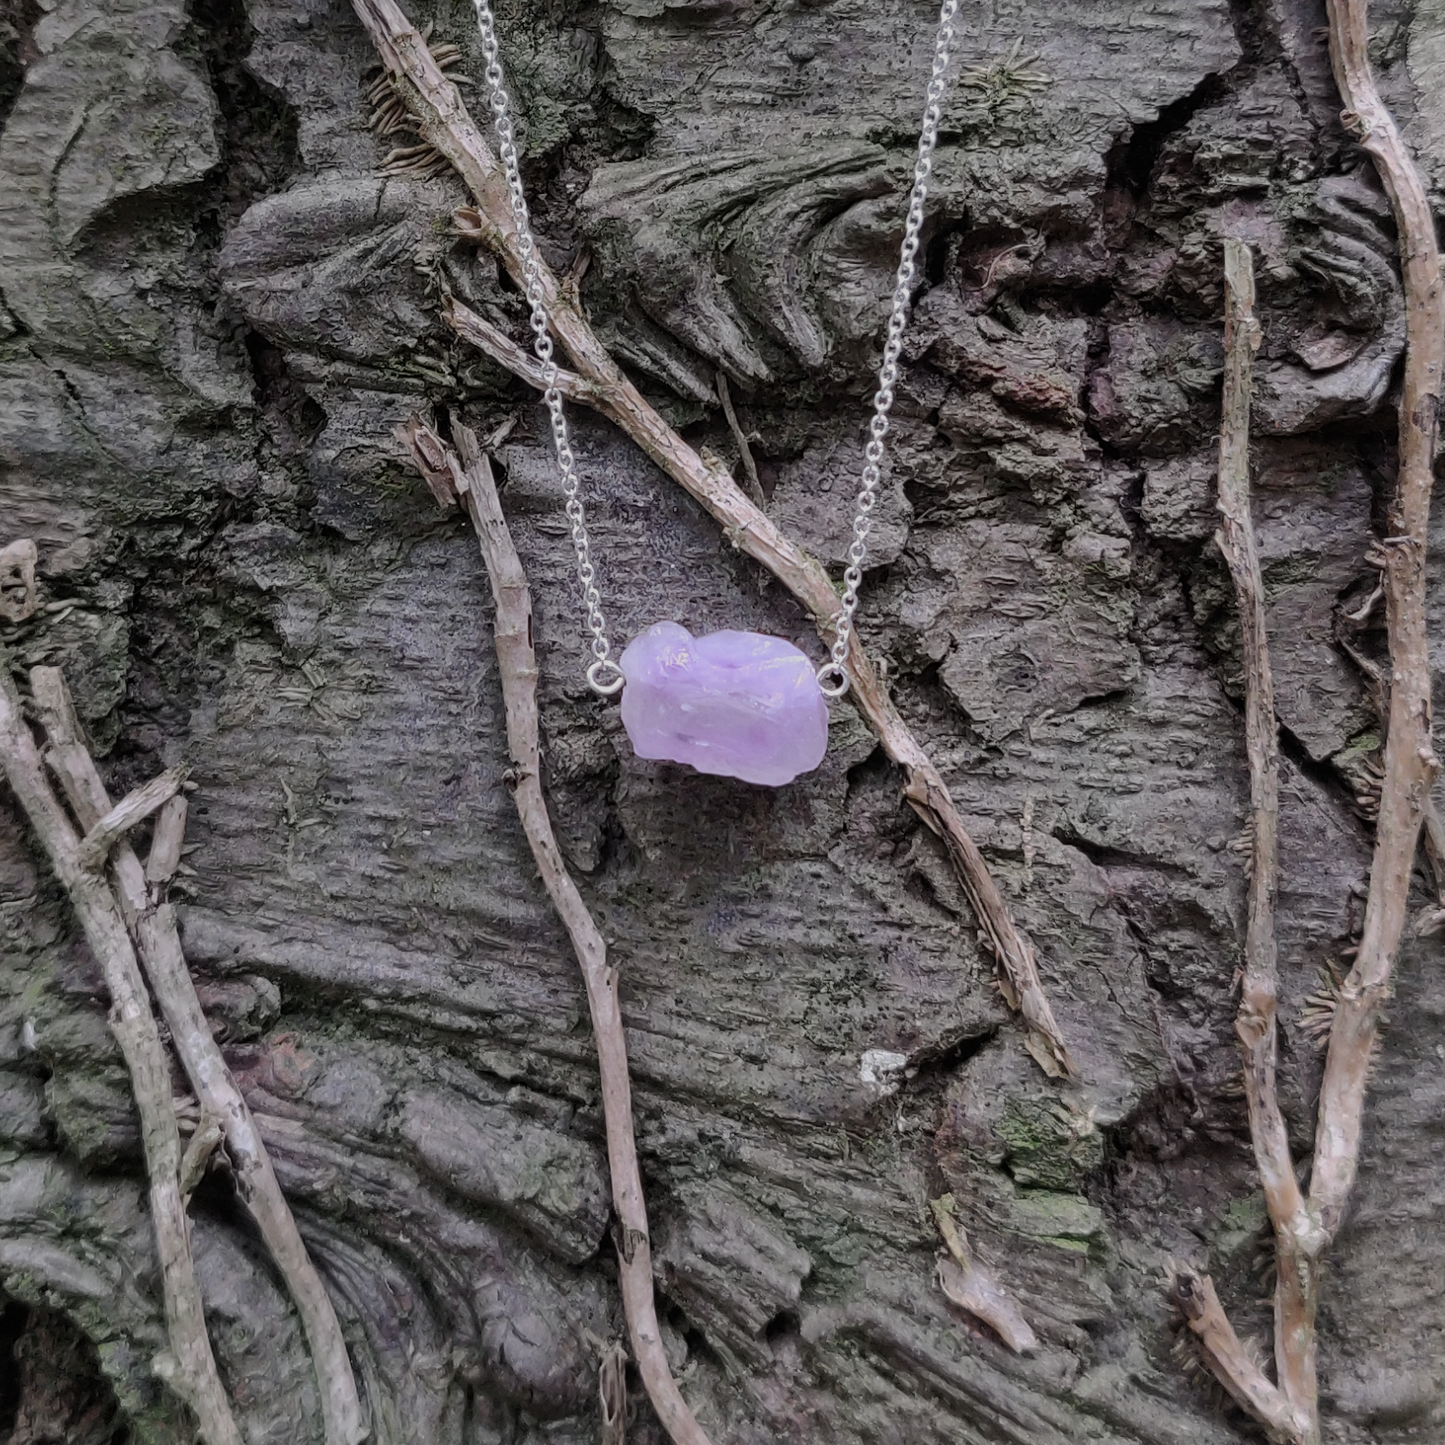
(221, 289)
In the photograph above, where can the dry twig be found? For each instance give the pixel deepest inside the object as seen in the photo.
(469, 477)
(750, 467)
(132, 810)
(971, 1287)
(1410, 763)
(188, 1366)
(1229, 1360)
(154, 925)
(442, 120)
(1304, 1228)
(1297, 1237)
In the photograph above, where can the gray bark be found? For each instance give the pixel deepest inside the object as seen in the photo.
(212, 313)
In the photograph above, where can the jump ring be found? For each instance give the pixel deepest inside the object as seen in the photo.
(615, 678)
(832, 679)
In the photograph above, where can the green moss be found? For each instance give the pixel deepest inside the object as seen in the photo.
(1066, 1220)
(1048, 1145)
(850, 1250)
(1362, 745)
(94, 1112)
(153, 1415)
(1238, 1226)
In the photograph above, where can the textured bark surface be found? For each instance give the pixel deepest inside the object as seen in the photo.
(213, 312)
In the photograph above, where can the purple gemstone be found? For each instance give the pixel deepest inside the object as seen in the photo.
(737, 704)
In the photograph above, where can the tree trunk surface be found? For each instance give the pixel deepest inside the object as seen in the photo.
(214, 310)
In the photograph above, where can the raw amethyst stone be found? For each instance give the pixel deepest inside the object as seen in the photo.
(738, 704)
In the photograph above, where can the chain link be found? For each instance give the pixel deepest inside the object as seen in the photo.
(603, 676)
(833, 675)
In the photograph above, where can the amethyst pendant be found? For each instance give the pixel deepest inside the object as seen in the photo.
(737, 704)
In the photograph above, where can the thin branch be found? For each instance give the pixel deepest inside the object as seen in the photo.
(1410, 764)
(188, 1366)
(1304, 1230)
(1230, 1362)
(442, 120)
(480, 332)
(517, 663)
(132, 809)
(750, 467)
(170, 832)
(1296, 1235)
(154, 925)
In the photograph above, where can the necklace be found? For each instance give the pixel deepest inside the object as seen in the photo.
(737, 704)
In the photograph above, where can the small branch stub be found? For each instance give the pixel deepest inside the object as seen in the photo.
(199, 1152)
(132, 809)
(612, 1394)
(19, 595)
(745, 451)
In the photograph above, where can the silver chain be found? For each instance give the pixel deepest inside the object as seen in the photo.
(833, 675)
(603, 676)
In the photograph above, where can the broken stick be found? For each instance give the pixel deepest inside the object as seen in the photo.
(132, 809)
(188, 1366)
(1291, 1406)
(154, 925)
(1410, 763)
(469, 475)
(1410, 768)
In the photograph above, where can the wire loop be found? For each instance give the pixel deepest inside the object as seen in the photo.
(615, 679)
